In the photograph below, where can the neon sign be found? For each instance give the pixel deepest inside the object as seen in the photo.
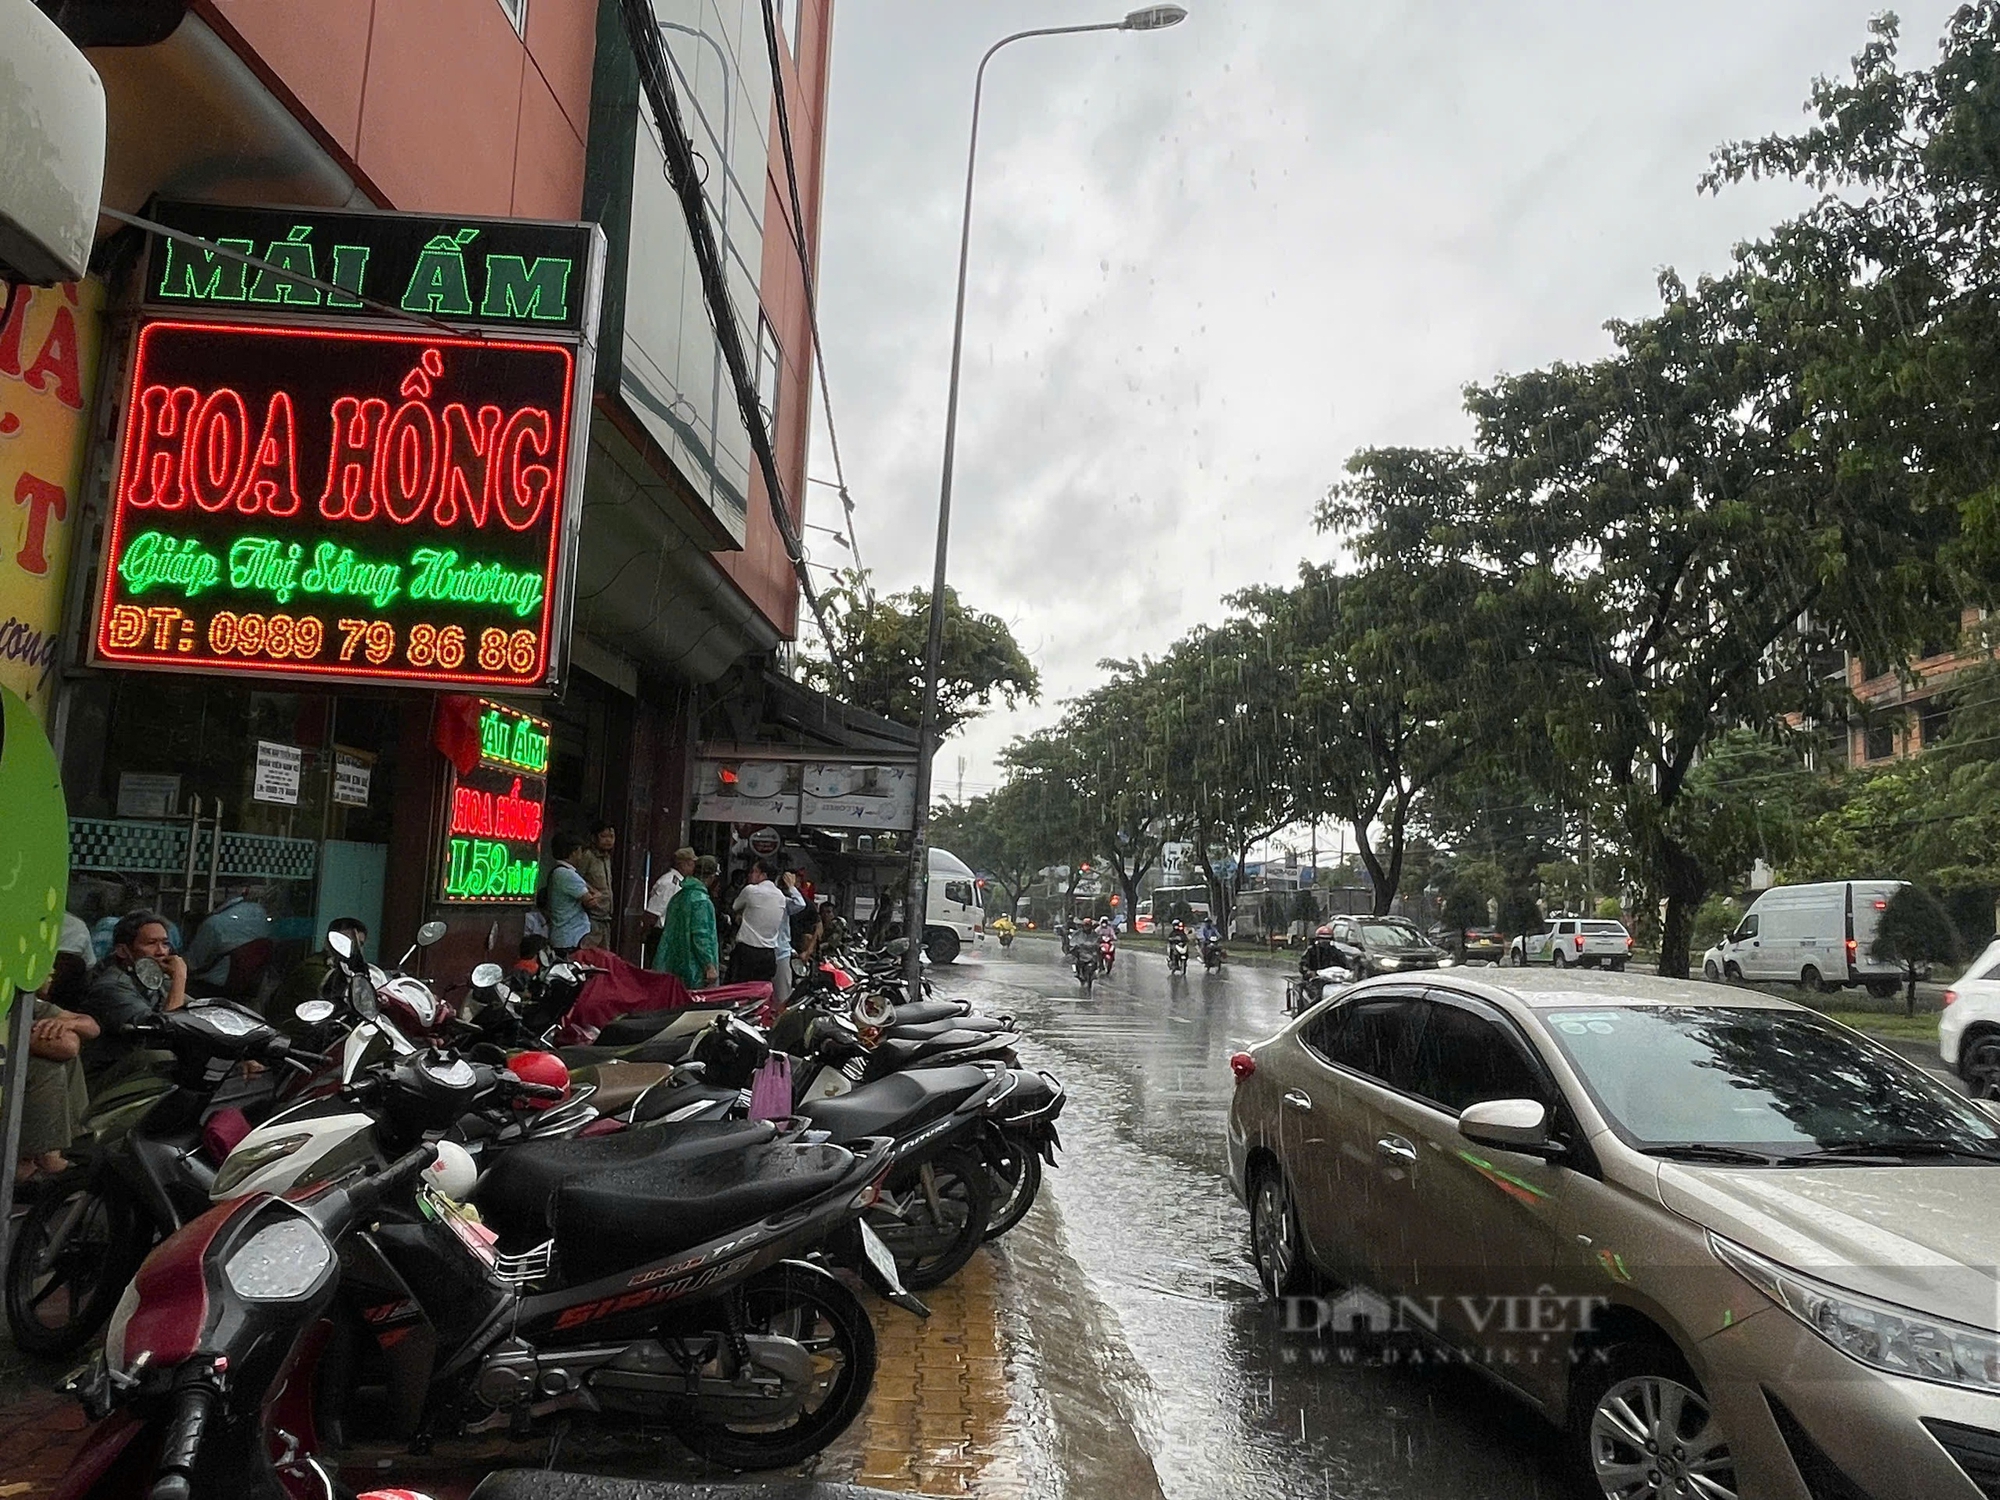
(342, 504)
(493, 836)
(505, 273)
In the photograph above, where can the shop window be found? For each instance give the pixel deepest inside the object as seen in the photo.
(1881, 741)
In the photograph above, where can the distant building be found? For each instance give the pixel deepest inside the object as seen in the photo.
(1904, 713)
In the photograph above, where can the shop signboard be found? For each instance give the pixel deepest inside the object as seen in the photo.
(877, 798)
(806, 793)
(493, 837)
(325, 482)
(747, 791)
(48, 371)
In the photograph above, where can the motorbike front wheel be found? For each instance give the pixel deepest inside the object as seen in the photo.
(77, 1249)
(930, 1245)
(814, 1310)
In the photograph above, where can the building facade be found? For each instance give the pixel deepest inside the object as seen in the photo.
(384, 798)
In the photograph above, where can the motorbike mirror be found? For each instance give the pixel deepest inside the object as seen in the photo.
(873, 1008)
(150, 973)
(897, 946)
(312, 1012)
(339, 943)
(486, 976)
(429, 933)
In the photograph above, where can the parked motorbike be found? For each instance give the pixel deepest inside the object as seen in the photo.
(87, 1233)
(198, 1390)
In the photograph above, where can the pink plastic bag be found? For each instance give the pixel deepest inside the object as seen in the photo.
(771, 1089)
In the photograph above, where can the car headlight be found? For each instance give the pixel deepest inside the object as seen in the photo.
(246, 1160)
(1388, 963)
(1881, 1335)
(282, 1260)
(1446, 961)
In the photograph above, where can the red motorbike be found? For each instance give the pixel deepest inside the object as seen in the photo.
(203, 1386)
(1107, 950)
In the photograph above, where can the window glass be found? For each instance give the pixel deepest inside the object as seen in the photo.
(1564, 929)
(958, 891)
(1376, 1037)
(1467, 1059)
(1747, 928)
(1391, 935)
(1613, 927)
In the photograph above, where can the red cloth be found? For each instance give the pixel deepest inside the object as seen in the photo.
(456, 731)
(622, 989)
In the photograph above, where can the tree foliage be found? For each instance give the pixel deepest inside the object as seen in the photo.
(877, 656)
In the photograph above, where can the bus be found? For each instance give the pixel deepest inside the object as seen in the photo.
(1166, 898)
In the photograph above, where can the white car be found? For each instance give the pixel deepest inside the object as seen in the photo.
(1580, 942)
(1969, 1028)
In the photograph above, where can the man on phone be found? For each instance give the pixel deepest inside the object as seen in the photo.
(141, 978)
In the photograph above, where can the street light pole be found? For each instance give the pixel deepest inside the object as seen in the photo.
(1147, 18)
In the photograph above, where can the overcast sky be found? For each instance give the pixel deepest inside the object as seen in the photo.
(1210, 263)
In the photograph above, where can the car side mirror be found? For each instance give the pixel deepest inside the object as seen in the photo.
(1510, 1124)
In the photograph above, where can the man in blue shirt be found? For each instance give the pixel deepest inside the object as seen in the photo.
(572, 903)
(238, 920)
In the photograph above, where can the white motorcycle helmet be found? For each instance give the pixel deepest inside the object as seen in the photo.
(453, 1173)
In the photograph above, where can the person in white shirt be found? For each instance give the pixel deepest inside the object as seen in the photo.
(760, 912)
(663, 892)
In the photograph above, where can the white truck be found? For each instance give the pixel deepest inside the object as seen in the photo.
(954, 913)
(1574, 942)
(1816, 935)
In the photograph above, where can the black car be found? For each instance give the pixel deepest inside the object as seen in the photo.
(1366, 946)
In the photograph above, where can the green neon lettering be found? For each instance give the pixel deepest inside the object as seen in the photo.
(513, 741)
(514, 290)
(153, 559)
(201, 273)
(438, 283)
(441, 576)
(483, 869)
(264, 565)
(336, 571)
(295, 255)
(350, 263)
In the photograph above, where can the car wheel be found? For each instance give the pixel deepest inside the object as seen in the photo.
(1711, 973)
(1518, 957)
(1618, 966)
(1883, 989)
(1558, 960)
(1979, 1064)
(943, 947)
(1275, 1247)
(1641, 1426)
(1733, 973)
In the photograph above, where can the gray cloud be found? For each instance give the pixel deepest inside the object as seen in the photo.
(1210, 263)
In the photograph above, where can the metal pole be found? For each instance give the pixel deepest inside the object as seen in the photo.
(913, 901)
(13, 1098)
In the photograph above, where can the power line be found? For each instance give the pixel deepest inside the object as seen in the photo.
(797, 222)
(642, 32)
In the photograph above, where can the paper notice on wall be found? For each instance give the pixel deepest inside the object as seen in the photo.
(351, 775)
(278, 770)
(142, 795)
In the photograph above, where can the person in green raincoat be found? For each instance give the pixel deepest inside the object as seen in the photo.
(688, 944)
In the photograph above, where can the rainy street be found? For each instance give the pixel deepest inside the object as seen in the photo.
(1190, 1392)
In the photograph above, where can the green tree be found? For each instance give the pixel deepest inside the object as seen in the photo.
(1649, 538)
(877, 656)
(1915, 932)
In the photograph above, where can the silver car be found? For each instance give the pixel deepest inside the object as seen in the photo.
(1728, 1246)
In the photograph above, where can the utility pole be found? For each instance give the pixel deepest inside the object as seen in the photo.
(961, 781)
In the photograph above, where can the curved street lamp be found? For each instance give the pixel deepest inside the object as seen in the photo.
(1146, 18)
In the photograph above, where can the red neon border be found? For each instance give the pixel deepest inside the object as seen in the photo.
(246, 667)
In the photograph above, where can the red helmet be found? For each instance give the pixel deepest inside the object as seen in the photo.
(544, 1068)
(1325, 931)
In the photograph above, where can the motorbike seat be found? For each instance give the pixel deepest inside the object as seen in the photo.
(898, 1104)
(658, 1050)
(923, 1012)
(929, 1030)
(516, 1195)
(619, 1084)
(901, 1052)
(613, 1221)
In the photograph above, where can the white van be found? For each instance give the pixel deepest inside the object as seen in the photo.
(954, 915)
(1816, 935)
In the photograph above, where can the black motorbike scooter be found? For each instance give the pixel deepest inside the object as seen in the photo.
(89, 1229)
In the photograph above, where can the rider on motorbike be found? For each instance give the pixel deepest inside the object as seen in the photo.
(1208, 936)
(1082, 940)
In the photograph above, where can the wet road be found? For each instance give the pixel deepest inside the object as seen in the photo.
(1217, 1396)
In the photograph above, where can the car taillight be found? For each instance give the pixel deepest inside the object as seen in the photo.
(1628, 942)
(1850, 953)
(1242, 1065)
(1949, 996)
(1579, 942)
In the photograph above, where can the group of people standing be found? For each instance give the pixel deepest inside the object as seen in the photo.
(771, 918)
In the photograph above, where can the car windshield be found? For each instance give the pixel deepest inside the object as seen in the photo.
(1612, 927)
(1390, 935)
(1781, 1083)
